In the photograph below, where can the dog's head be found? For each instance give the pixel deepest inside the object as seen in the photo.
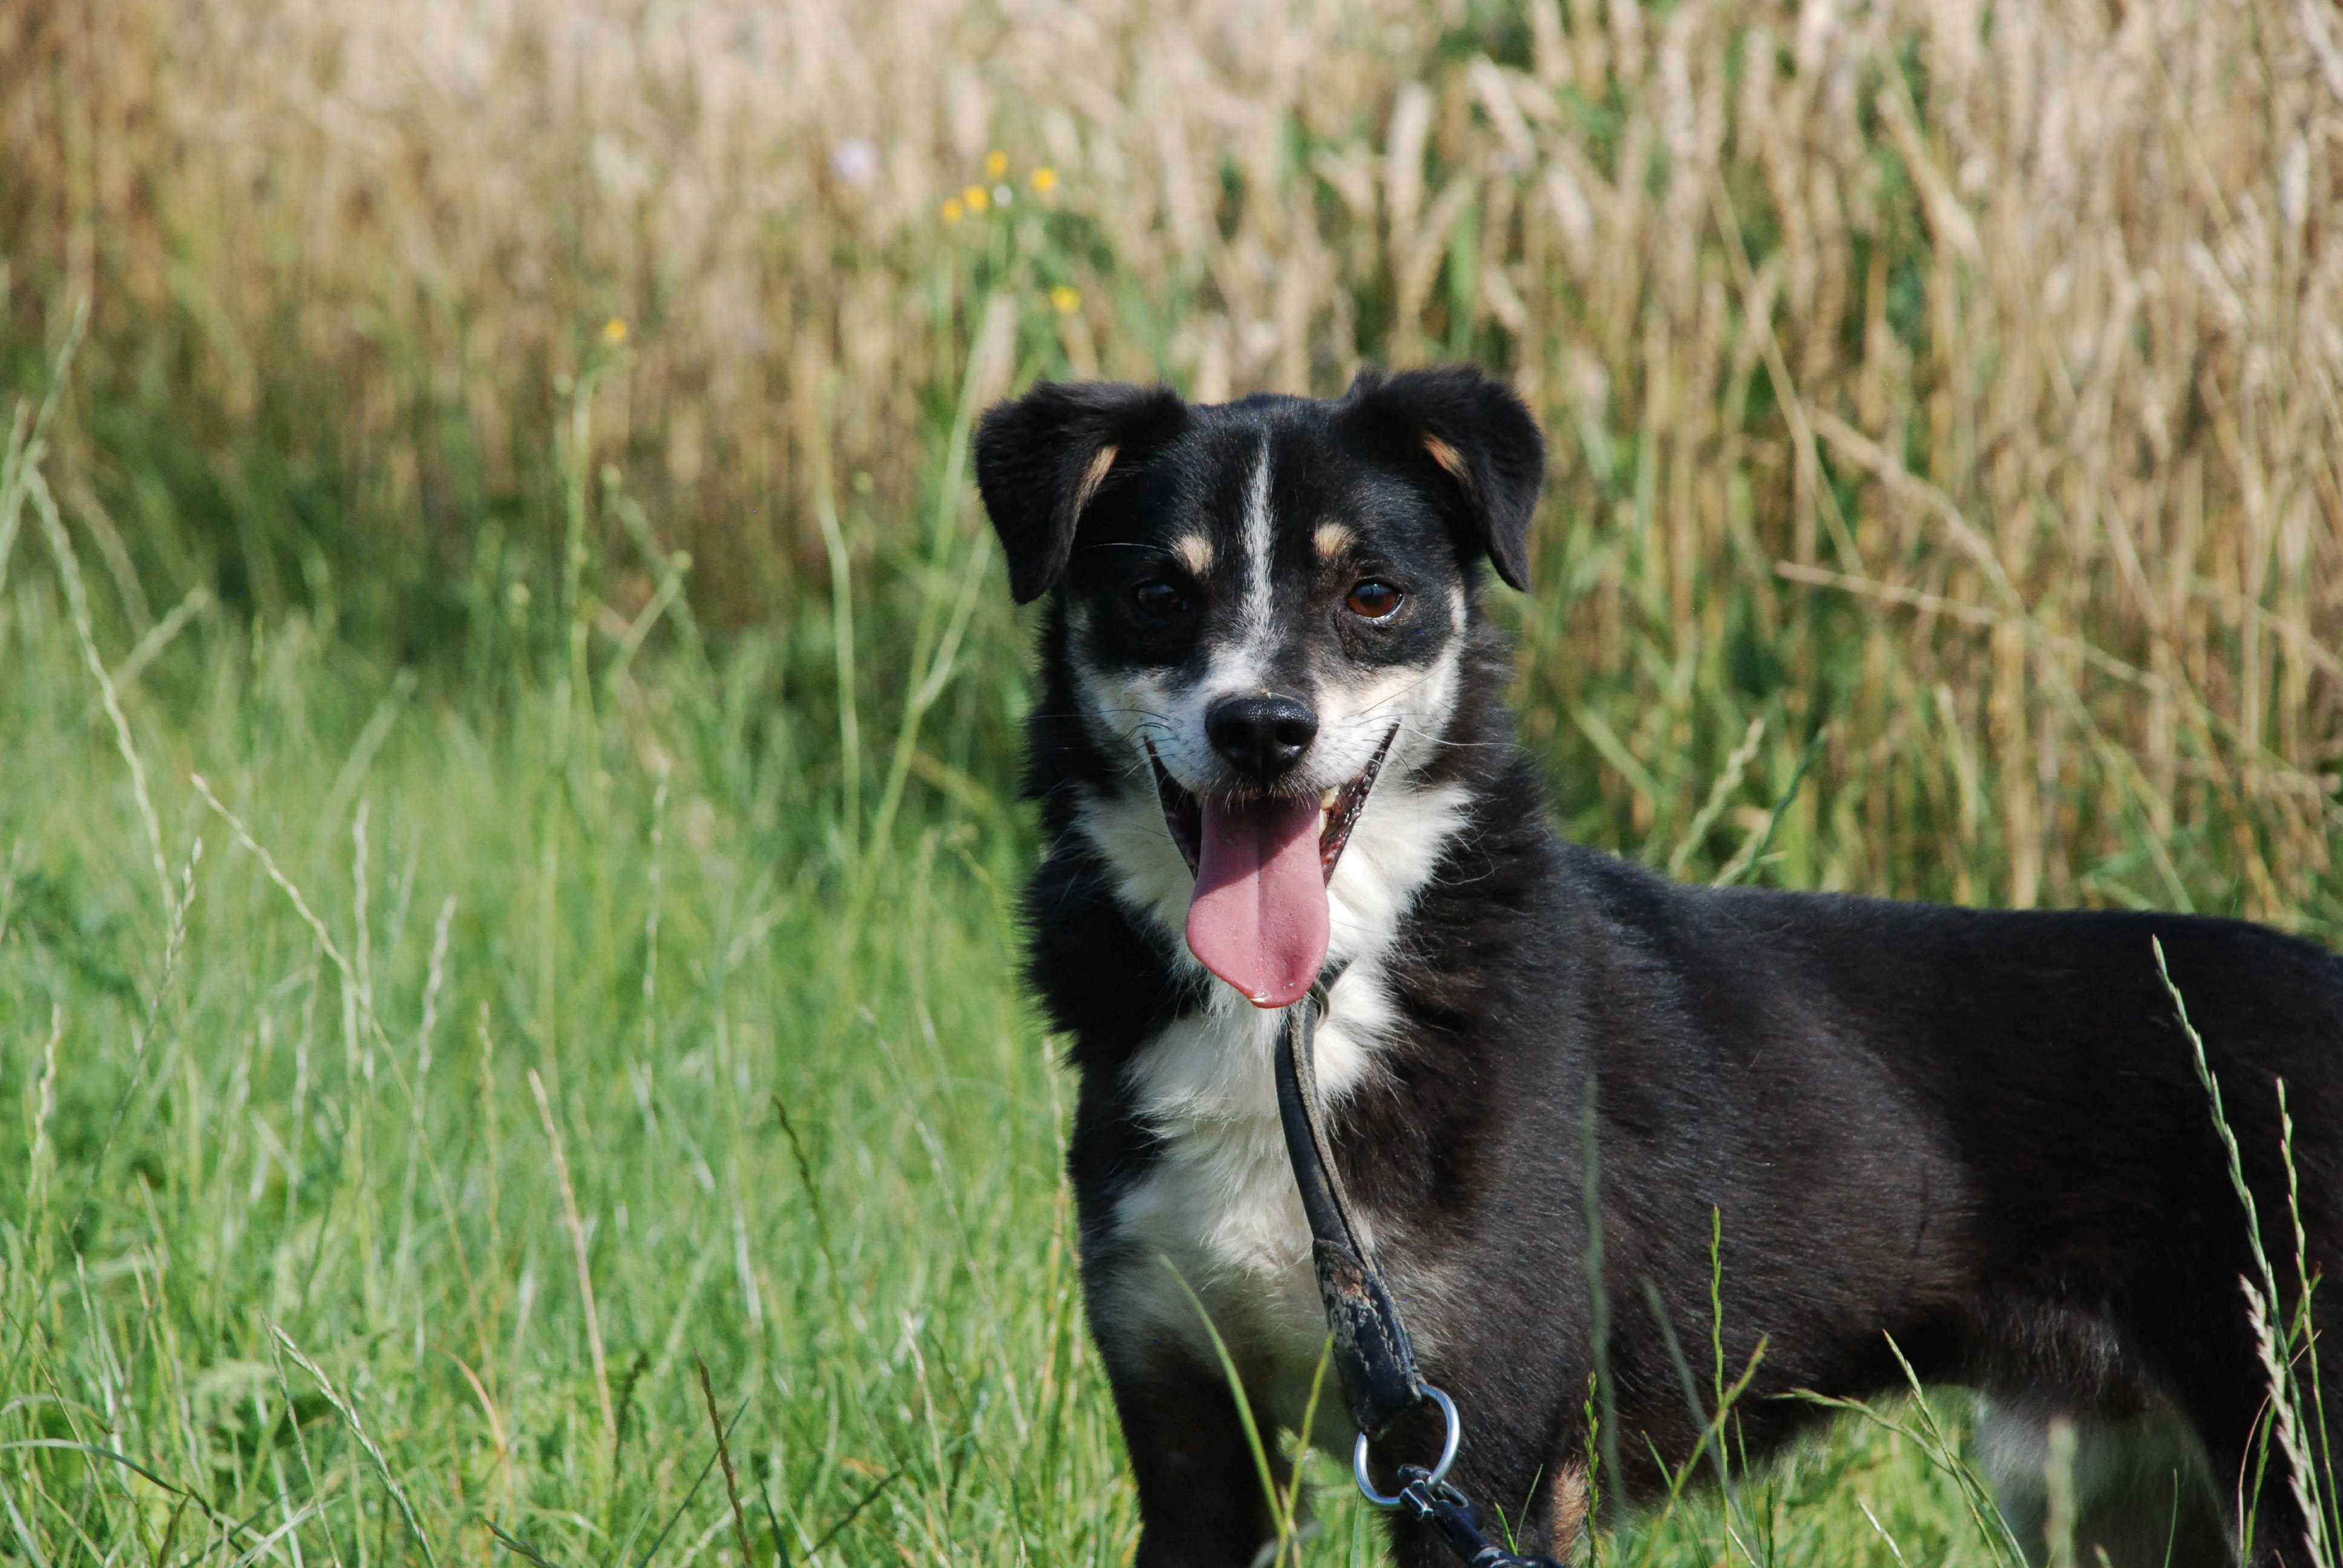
(1265, 604)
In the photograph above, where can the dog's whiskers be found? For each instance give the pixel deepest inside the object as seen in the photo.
(1395, 696)
(1129, 545)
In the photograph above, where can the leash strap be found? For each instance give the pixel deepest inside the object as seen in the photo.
(1371, 1352)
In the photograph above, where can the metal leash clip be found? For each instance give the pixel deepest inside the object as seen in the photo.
(1426, 1495)
(1452, 1513)
(1432, 1477)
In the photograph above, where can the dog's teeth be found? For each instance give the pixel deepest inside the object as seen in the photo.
(1326, 801)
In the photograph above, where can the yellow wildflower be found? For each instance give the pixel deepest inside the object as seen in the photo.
(996, 164)
(951, 210)
(976, 199)
(614, 331)
(1045, 179)
(1065, 300)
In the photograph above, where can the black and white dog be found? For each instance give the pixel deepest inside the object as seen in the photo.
(1272, 741)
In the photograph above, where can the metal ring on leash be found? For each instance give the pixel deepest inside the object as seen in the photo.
(1439, 1472)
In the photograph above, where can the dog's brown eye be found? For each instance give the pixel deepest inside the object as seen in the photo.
(1372, 598)
(1158, 600)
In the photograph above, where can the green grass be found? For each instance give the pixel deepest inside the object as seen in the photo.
(820, 1157)
(465, 1060)
(448, 1095)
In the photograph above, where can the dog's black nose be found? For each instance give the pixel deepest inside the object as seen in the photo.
(1261, 737)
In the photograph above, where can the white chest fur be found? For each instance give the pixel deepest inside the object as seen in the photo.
(1219, 1211)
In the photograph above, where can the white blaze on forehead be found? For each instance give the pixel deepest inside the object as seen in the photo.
(1258, 535)
(1194, 552)
(1331, 539)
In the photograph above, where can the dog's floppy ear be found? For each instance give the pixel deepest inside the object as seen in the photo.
(1040, 459)
(1477, 431)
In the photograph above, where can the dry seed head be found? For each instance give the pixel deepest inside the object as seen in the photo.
(386, 156)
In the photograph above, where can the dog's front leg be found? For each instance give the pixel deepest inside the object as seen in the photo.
(1201, 1503)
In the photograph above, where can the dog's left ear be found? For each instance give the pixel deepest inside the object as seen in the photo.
(1042, 457)
(1477, 432)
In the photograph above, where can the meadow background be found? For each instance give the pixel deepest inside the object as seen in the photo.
(507, 709)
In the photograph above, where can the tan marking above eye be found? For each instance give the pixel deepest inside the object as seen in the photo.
(1331, 539)
(1195, 552)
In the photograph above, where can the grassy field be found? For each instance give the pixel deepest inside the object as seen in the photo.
(457, 1085)
(507, 821)
(441, 1099)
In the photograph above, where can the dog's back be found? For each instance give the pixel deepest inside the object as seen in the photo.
(1985, 1134)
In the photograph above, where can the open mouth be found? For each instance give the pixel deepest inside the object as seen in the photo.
(1259, 918)
(1338, 809)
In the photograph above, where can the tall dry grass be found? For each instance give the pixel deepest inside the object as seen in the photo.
(1945, 397)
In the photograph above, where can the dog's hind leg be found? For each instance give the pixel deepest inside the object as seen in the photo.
(2141, 1489)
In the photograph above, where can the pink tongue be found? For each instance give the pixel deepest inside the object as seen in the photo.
(1259, 917)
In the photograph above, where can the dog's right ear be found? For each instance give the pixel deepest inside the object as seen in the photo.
(1042, 457)
(1476, 432)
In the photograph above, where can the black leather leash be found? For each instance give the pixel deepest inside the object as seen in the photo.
(1371, 1352)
